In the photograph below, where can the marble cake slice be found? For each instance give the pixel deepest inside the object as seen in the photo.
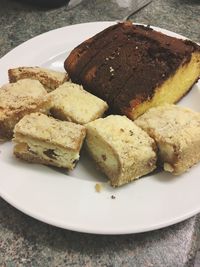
(133, 67)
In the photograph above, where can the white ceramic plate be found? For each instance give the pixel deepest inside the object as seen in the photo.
(70, 201)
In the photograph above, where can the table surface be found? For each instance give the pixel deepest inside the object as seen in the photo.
(25, 241)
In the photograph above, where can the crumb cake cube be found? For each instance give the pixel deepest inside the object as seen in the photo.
(18, 99)
(176, 131)
(71, 102)
(121, 149)
(42, 139)
(49, 78)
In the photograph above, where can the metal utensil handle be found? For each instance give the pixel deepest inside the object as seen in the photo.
(137, 8)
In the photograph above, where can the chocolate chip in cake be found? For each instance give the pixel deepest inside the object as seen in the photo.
(104, 157)
(50, 153)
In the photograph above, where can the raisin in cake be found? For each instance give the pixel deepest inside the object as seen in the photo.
(133, 67)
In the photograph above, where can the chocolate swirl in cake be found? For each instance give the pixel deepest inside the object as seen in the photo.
(126, 64)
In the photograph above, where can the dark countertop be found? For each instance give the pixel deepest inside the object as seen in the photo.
(27, 242)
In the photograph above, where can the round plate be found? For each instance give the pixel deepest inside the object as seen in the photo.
(70, 200)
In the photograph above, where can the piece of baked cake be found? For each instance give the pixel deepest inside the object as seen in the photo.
(49, 78)
(72, 103)
(133, 67)
(176, 131)
(18, 99)
(42, 139)
(122, 150)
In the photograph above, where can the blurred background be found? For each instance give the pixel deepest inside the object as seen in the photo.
(20, 19)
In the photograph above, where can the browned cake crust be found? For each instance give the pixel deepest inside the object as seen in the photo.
(50, 79)
(17, 100)
(125, 63)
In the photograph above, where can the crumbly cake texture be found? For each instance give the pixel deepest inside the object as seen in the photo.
(176, 131)
(49, 78)
(42, 139)
(134, 68)
(121, 149)
(72, 103)
(18, 99)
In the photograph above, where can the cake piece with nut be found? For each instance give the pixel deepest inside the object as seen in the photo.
(122, 150)
(42, 139)
(72, 103)
(176, 131)
(18, 99)
(49, 78)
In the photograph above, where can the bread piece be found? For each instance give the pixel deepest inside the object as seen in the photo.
(176, 131)
(49, 78)
(121, 149)
(42, 139)
(18, 99)
(71, 102)
(134, 68)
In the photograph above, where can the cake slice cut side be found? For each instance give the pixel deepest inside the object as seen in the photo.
(137, 69)
(170, 91)
(42, 139)
(120, 149)
(176, 131)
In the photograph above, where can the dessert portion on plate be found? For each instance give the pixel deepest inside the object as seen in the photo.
(121, 149)
(140, 73)
(42, 139)
(134, 68)
(50, 79)
(17, 100)
(71, 102)
(28, 110)
(176, 131)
